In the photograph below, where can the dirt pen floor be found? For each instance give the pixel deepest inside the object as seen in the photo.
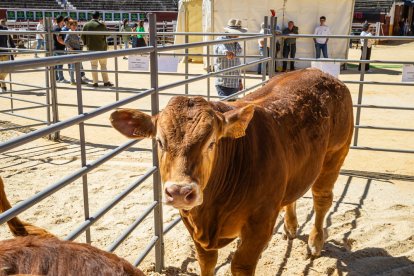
(370, 224)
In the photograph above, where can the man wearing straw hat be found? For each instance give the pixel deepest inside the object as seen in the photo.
(230, 82)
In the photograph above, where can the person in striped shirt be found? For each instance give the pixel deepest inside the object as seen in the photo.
(230, 82)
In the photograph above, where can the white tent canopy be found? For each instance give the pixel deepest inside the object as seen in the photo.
(212, 16)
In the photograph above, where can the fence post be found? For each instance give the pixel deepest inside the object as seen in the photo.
(53, 94)
(116, 68)
(265, 65)
(158, 220)
(272, 47)
(186, 64)
(208, 72)
(82, 142)
(360, 92)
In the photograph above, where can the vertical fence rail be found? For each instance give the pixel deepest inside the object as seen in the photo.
(158, 219)
(186, 64)
(264, 66)
(116, 68)
(52, 78)
(208, 71)
(82, 143)
(360, 92)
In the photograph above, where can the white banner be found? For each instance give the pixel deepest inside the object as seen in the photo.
(168, 64)
(331, 68)
(138, 63)
(408, 73)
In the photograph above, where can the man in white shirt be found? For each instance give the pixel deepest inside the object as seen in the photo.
(321, 43)
(40, 38)
(367, 30)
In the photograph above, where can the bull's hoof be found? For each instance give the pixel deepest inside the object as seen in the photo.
(290, 232)
(316, 242)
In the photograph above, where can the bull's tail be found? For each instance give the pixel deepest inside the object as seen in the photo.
(16, 226)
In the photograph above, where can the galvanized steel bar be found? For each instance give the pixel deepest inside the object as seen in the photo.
(131, 228)
(382, 149)
(171, 225)
(380, 83)
(26, 204)
(384, 128)
(360, 92)
(208, 71)
(23, 139)
(23, 108)
(116, 69)
(22, 116)
(95, 217)
(264, 66)
(19, 127)
(158, 220)
(384, 107)
(186, 65)
(82, 145)
(21, 100)
(146, 250)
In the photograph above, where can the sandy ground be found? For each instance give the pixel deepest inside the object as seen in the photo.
(370, 223)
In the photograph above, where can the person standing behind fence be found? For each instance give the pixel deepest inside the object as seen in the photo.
(73, 43)
(6, 41)
(141, 42)
(230, 82)
(134, 37)
(367, 30)
(289, 45)
(125, 38)
(97, 43)
(40, 38)
(321, 43)
(59, 47)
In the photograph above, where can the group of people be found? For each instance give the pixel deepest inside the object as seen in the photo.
(230, 82)
(66, 43)
(138, 40)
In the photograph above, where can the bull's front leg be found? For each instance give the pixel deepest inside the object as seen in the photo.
(254, 238)
(207, 260)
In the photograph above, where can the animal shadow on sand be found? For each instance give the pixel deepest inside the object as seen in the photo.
(366, 261)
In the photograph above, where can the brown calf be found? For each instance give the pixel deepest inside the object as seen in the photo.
(35, 251)
(230, 167)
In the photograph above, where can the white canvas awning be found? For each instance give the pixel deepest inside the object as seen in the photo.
(212, 16)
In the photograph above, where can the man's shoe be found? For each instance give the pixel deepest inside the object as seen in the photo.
(95, 85)
(72, 83)
(108, 84)
(3, 89)
(64, 81)
(124, 58)
(85, 79)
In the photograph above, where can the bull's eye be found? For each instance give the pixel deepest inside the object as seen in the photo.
(160, 144)
(211, 146)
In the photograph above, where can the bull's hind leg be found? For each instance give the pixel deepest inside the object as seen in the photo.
(322, 197)
(291, 221)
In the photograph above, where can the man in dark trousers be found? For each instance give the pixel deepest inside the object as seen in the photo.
(59, 47)
(289, 45)
(97, 43)
(6, 41)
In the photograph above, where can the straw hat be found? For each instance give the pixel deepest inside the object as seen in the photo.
(234, 26)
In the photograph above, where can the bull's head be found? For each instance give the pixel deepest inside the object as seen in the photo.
(187, 132)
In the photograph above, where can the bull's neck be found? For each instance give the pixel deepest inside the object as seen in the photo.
(230, 171)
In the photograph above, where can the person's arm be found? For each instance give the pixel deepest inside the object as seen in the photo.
(329, 33)
(60, 40)
(296, 30)
(315, 32)
(83, 36)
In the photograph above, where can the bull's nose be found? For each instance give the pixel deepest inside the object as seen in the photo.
(180, 194)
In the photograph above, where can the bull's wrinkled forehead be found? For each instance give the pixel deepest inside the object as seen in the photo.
(186, 121)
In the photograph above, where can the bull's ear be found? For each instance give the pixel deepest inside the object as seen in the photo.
(237, 121)
(133, 123)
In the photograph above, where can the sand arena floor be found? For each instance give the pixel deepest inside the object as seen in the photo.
(370, 224)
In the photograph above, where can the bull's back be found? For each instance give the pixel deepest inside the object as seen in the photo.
(312, 114)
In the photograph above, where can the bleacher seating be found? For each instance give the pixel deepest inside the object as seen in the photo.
(373, 5)
(30, 4)
(138, 5)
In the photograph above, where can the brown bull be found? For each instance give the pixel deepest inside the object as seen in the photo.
(36, 251)
(230, 167)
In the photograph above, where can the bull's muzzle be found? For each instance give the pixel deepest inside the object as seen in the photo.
(182, 196)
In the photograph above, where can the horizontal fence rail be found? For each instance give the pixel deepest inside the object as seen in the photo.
(54, 124)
